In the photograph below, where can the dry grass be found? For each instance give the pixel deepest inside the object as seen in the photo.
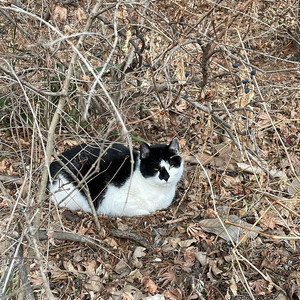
(223, 78)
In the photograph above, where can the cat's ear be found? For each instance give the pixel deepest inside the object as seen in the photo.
(174, 146)
(144, 151)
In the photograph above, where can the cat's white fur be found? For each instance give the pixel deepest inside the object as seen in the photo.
(138, 196)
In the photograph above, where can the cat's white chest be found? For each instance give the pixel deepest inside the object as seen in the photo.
(139, 197)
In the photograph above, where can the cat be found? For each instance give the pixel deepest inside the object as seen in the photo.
(116, 186)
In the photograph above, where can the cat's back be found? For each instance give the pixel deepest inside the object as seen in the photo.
(111, 159)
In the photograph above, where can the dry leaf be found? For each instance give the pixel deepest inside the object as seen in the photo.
(168, 278)
(258, 286)
(70, 143)
(122, 268)
(128, 37)
(187, 243)
(80, 15)
(128, 288)
(294, 280)
(59, 13)
(173, 294)
(50, 235)
(68, 30)
(77, 257)
(68, 266)
(257, 170)
(36, 279)
(189, 255)
(3, 164)
(181, 106)
(202, 257)
(127, 296)
(122, 226)
(139, 252)
(90, 266)
(267, 222)
(180, 71)
(216, 271)
(111, 242)
(135, 274)
(214, 226)
(93, 283)
(281, 296)
(57, 274)
(173, 242)
(294, 188)
(195, 231)
(85, 77)
(233, 286)
(244, 98)
(155, 297)
(149, 285)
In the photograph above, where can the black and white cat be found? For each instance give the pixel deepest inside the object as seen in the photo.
(105, 174)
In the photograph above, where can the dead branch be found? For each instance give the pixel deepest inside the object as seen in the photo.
(11, 179)
(131, 236)
(26, 287)
(74, 237)
(33, 239)
(66, 236)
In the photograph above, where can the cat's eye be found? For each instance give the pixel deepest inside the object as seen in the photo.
(171, 166)
(156, 169)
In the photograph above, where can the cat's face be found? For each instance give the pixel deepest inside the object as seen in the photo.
(161, 164)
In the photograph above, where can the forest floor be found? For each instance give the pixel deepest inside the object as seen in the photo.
(224, 79)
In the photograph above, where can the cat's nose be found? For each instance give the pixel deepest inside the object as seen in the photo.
(164, 175)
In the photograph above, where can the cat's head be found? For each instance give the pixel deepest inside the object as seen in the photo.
(161, 164)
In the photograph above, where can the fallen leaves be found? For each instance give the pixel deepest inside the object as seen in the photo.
(261, 287)
(229, 231)
(93, 280)
(180, 71)
(173, 294)
(122, 268)
(149, 285)
(59, 14)
(134, 275)
(294, 188)
(196, 231)
(80, 15)
(167, 278)
(267, 222)
(138, 253)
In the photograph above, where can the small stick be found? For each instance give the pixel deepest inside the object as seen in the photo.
(10, 179)
(131, 236)
(66, 236)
